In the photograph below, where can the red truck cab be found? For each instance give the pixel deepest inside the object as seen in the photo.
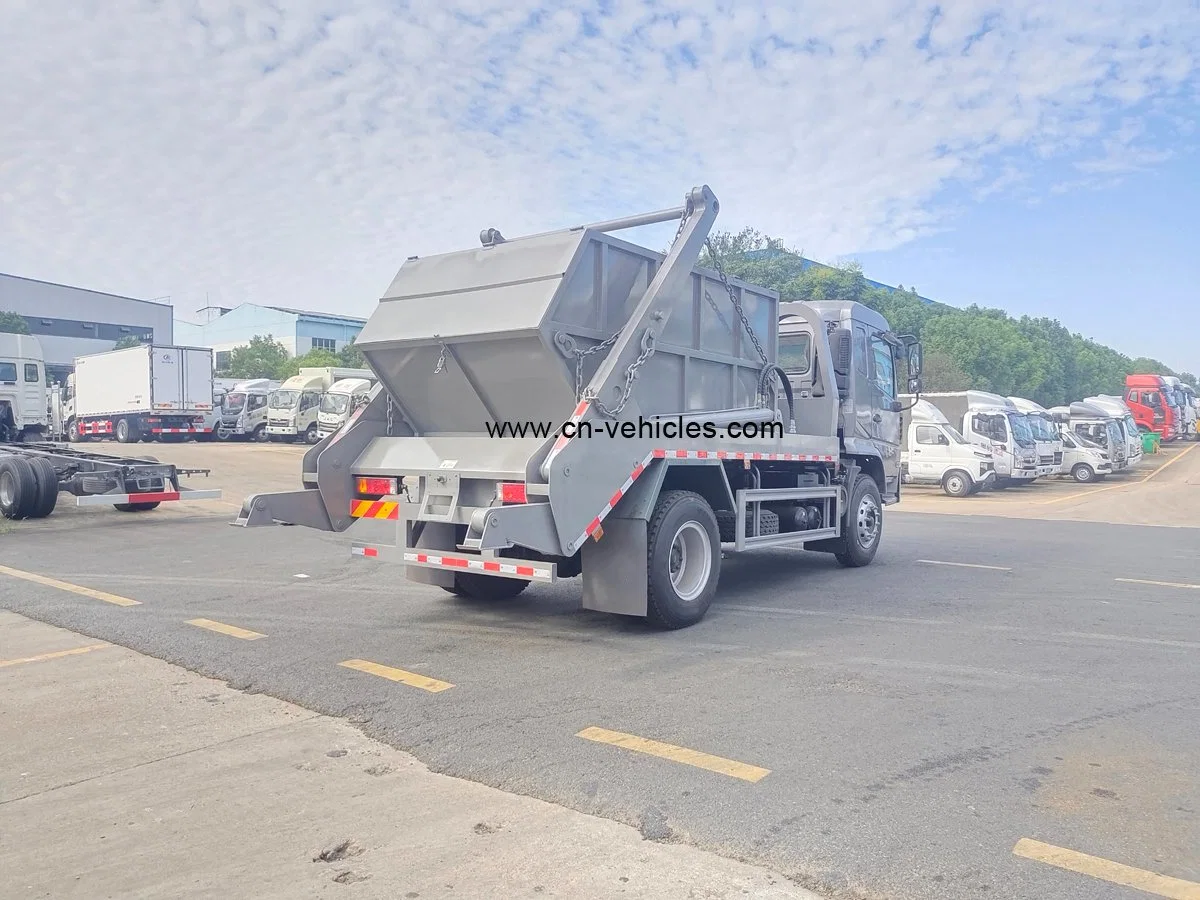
(1144, 395)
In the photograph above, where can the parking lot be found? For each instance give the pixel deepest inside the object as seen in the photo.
(1005, 704)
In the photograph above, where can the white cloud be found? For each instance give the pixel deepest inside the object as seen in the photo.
(297, 153)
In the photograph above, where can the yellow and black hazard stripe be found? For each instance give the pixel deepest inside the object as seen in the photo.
(375, 509)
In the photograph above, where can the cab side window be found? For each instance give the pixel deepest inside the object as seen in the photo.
(1133, 397)
(32, 376)
(308, 400)
(927, 434)
(256, 401)
(884, 369)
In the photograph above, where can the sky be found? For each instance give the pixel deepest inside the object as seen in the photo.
(1042, 158)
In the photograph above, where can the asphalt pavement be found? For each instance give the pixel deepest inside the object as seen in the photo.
(986, 681)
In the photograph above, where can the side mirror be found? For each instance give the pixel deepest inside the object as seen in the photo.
(914, 385)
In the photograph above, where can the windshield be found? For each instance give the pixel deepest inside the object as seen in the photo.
(234, 402)
(1085, 441)
(335, 403)
(1022, 433)
(8, 371)
(284, 399)
(1043, 430)
(1114, 434)
(954, 435)
(1131, 428)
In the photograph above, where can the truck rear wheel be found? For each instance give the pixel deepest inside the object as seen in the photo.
(956, 483)
(488, 588)
(127, 433)
(862, 526)
(18, 488)
(683, 560)
(46, 477)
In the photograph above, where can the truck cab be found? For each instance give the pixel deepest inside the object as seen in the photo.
(934, 452)
(1045, 434)
(1184, 408)
(1116, 408)
(1153, 408)
(340, 401)
(23, 411)
(1098, 427)
(992, 423)
(244, 410)
(292, 408)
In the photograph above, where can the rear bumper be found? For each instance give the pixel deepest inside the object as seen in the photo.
(504, 567)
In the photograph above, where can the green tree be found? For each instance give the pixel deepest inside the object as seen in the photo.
(263, 357)
(351, 357)
(313, 359)
(12, 323)
(130, 340)
(941, 372)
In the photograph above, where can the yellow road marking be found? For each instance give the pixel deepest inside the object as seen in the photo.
(73, 588)
(675, 754)
(1106, 870)
(58, 653)
(1174, 584)
(1168, 463)
(222, 628)
(938, 562)
(1076, 496)
(412, 679)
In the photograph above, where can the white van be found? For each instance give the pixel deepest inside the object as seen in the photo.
(934, 452)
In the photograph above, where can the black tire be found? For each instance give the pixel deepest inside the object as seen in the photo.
(862, 526)
(1083, 473)
(313, 436)
(135, 507)
(221, 434)
(18, 488)
(46, 477)
(682, 521)
(259, 435)
(957, 483)
(127, 433)
(487, 588)
(1001, 484)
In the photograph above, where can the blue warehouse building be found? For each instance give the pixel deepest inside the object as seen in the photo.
(299, 330)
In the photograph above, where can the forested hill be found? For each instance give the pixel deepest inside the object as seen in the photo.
(973, 347)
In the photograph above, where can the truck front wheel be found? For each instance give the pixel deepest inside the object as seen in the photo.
(863, 525)
(683, 560)
(1083, 473)
(956, 483)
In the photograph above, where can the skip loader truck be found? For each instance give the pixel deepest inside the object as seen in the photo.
(583, 327)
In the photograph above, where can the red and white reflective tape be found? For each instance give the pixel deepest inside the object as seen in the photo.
(148, 497)
(191, 429)
(520, 570)
(363, 551)
(594, 525)
(726, 454)
(102, 427)
(563, 440)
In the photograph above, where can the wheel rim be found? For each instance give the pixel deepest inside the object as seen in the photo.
(955, 484)
(867, 521)
(691, 561)
(8, 491)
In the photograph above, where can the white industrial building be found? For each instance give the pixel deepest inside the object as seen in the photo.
(71, 321)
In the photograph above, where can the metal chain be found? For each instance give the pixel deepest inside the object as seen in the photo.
(630, 377)
(631, 372)
(389, 413)
(737, 304)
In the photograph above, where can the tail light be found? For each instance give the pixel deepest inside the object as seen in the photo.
(512, 492)
(376, 487)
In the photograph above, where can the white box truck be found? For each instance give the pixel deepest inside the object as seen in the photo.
(292, 410)
(151, 391)
(993, 423)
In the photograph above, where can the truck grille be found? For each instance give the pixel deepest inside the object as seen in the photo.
(1058, 459)
(1046, 460)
